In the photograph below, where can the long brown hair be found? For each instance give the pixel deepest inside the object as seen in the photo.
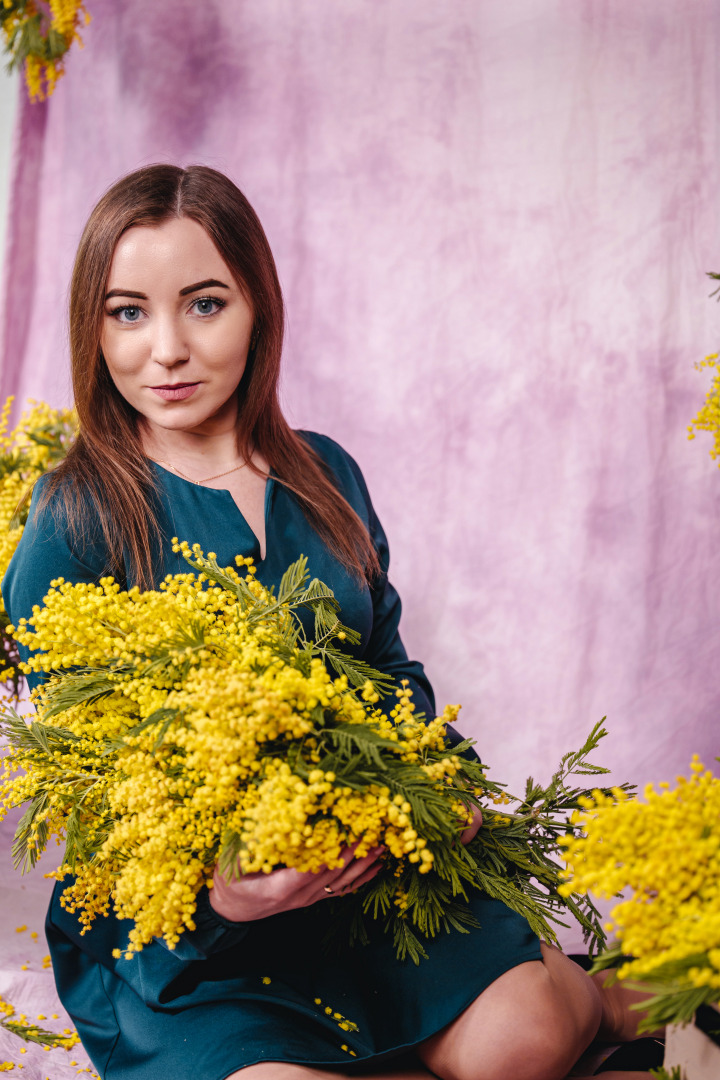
(106, 471)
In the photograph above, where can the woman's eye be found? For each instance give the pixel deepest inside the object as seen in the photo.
(130, 313)
(207, 305)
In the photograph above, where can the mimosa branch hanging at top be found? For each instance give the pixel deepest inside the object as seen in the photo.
(38, 36)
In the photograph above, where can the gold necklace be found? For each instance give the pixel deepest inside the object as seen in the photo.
(207, 479)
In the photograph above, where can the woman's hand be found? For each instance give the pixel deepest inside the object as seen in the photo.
(471, 831)
(256, 896)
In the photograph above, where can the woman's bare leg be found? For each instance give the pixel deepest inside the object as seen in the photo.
(619, 1022)
(274, 1070)
(532, 1023)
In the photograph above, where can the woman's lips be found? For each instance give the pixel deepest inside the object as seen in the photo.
(175, 393)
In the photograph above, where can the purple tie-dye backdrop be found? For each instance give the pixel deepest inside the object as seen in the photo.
(492, 222)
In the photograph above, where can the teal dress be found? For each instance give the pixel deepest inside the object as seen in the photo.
(232, 994)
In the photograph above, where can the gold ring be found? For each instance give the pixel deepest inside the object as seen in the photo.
(328, 889)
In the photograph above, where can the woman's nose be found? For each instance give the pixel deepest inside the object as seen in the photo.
(169, 346)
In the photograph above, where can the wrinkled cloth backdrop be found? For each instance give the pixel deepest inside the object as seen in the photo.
(492, 222)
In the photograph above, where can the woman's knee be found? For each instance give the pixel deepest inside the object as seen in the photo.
(575, 995)
(530, 1024)
(527, 1055)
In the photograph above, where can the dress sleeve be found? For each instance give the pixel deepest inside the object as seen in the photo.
(385, 650)
(158, 975)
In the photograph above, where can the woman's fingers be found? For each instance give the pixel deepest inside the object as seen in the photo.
(369, 874)
(255, 896)
(345, 880)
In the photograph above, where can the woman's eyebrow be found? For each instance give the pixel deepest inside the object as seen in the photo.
(209, 284)
(125, 292)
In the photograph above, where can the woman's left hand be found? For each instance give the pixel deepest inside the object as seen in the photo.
(471, 831)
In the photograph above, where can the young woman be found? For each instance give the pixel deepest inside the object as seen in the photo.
(176, 324)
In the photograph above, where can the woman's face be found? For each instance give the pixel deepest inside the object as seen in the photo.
(176, 329)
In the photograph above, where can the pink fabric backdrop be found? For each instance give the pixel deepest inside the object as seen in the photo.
(492, 223)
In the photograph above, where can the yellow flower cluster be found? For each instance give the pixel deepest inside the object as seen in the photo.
(708, 418)
(40, 38)
(195, 723)
(665, 852)
(38, 442)
(20, 1025)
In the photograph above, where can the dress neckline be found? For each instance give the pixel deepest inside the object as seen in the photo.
(226, 495)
